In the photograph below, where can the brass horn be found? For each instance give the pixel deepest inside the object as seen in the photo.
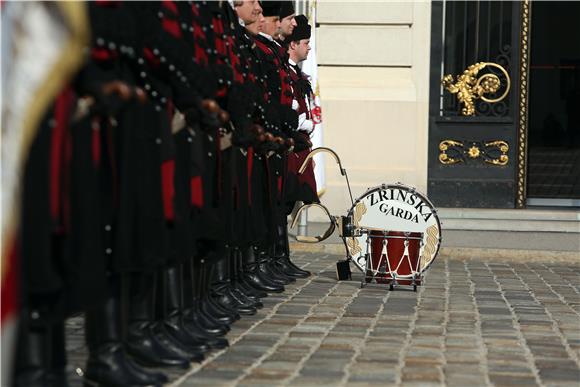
(336, 158)
(321, 150)
(319, 238)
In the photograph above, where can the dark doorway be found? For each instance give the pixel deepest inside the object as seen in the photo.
(554, 103)
(473, 158)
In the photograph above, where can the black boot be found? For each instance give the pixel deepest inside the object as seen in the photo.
(40, 353)
(256, 277)
(32, 368)
(221, 289)
(191, 313)
(282, 254)
(268, 266)
(241, 280)
(276, 266)
(108, 364)
(212, 323)
(172, 317)
(142, 343)
(237, 287)
(211, 312)
(57, 375)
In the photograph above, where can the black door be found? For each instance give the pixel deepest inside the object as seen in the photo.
(475, 155)
(554, 116)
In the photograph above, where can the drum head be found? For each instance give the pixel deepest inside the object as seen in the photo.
(396, 208)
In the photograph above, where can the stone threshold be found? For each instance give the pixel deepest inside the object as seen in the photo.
(531, 220)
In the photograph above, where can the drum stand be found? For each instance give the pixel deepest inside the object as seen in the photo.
(363, 282)
(392, 273)
(387, 264)
(416, 274)
(406, 255)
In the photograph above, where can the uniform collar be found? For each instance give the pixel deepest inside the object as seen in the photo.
(292, 62)
(270, 38)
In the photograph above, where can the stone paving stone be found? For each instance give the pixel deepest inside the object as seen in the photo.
(465, 380)
(385, 357)
(512, 380)
(315, 381)
(421, 374)
(504, 323)
(377, 378)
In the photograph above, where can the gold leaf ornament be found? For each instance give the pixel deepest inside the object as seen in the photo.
(359, 210)
(469, 87)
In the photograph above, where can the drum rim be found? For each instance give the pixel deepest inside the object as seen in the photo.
(423, 197)
(395, 237)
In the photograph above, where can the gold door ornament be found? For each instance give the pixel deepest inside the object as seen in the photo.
(490, 152)
(469, 87)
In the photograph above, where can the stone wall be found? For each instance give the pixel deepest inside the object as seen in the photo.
(373, 70)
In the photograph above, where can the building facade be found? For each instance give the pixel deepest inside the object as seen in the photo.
(473, 103)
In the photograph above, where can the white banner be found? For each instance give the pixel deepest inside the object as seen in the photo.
(42, 46)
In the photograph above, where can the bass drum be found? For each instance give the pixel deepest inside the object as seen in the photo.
(386, 213)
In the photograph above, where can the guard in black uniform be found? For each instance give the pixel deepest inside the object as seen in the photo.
(155, 190)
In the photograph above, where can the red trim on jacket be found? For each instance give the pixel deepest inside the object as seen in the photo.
(167, 188)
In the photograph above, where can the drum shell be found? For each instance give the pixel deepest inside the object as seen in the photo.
(397, 265)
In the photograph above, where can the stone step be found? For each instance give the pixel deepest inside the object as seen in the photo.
(527, 220)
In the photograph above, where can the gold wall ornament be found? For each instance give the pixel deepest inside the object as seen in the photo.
(490, 152)
(494, 146)
(473, 152)
(446, 145)
(469, 88)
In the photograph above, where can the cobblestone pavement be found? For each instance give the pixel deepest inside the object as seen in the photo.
(502, 322)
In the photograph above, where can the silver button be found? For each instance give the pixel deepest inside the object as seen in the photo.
(108, 227)
(158, 141)
(108, 250)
